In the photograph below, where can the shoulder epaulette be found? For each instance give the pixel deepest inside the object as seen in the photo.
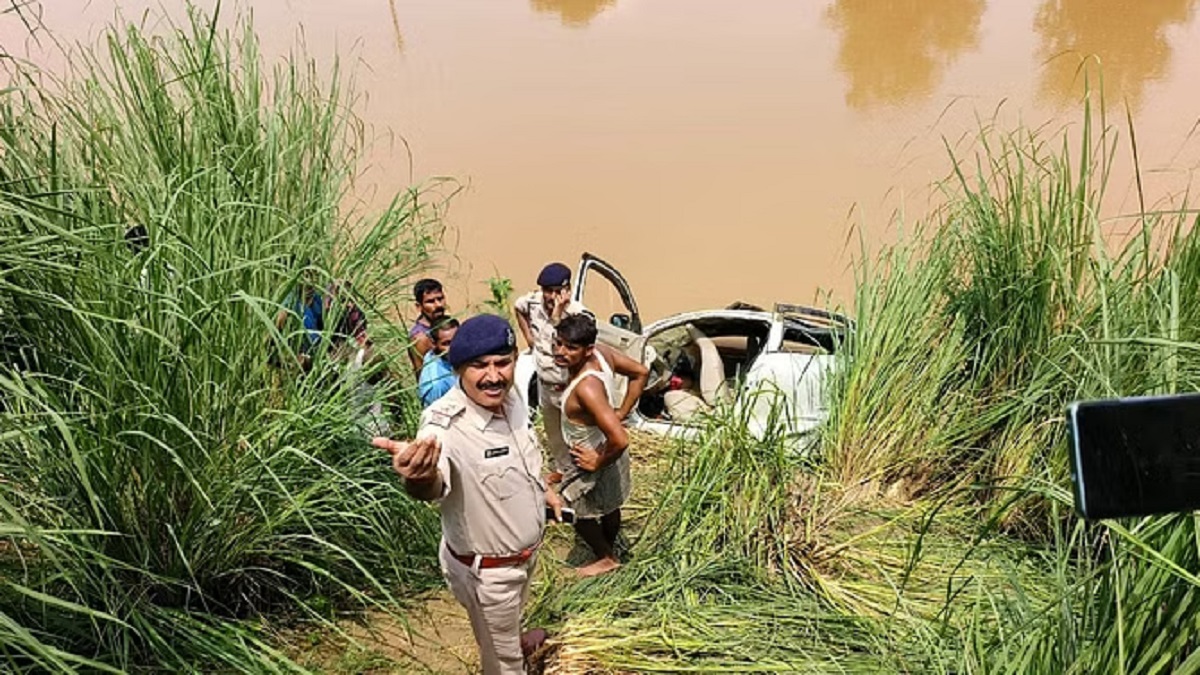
(444, 410)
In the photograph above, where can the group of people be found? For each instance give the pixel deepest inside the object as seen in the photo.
(477, 455)
(315, 306)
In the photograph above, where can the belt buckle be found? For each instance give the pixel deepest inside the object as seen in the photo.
(477, 562)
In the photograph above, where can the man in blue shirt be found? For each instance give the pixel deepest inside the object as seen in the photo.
(431, 303)
(307, 303)
(437, 377)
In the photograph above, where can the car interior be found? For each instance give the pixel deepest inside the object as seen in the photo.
(698, 365)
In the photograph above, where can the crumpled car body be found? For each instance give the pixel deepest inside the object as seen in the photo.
(769, 368)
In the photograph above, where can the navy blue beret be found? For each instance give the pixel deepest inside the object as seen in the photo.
(554, 274)
(481, 335)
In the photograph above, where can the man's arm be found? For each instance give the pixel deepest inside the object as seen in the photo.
(416, 351)
(594, 399)
(522, 313)
(637, 373)
(562, 300)
(426, 491)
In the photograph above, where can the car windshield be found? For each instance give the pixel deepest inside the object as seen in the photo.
(803, 338)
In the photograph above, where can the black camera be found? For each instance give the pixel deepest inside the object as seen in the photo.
(1135, 456)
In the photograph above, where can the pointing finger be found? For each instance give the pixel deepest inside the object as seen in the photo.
(388, 444)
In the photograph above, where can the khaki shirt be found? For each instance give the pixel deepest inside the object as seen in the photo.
(532, 307)
(493, 497)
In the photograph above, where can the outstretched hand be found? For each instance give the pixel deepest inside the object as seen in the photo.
(416, 461)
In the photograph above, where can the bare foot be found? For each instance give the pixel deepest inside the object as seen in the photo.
(601, 566)
(532, 640)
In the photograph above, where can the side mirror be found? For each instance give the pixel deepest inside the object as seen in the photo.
(622, 321)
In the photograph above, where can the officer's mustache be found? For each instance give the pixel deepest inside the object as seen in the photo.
(494, 385)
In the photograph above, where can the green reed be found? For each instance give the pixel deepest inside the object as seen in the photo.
(1037, 307)
(170, 480)
(932, 530)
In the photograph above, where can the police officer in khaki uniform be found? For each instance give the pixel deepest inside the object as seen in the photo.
(477, 457)
(538, 314)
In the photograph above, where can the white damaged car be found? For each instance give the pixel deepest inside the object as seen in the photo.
(768, 365)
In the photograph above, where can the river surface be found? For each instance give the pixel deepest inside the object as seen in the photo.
(712, 150)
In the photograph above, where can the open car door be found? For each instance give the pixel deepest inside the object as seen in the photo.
(621, 330)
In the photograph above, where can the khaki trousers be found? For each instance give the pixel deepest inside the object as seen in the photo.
(550, 402)
(494, 599)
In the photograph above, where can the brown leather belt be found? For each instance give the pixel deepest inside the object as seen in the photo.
(490, 561)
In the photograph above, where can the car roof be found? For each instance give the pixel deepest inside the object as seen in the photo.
(710, 314)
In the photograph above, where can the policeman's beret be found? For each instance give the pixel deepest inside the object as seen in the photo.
(554, 274)
(481, 335)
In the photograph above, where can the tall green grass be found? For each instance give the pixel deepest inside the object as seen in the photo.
(166, 493)
(934, 531)
(704, 588)
(1027, 303)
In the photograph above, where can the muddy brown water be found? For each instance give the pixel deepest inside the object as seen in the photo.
(715, 150)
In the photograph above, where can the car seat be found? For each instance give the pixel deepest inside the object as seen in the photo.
(712, 370)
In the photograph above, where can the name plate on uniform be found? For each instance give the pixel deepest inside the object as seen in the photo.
(492, 453)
